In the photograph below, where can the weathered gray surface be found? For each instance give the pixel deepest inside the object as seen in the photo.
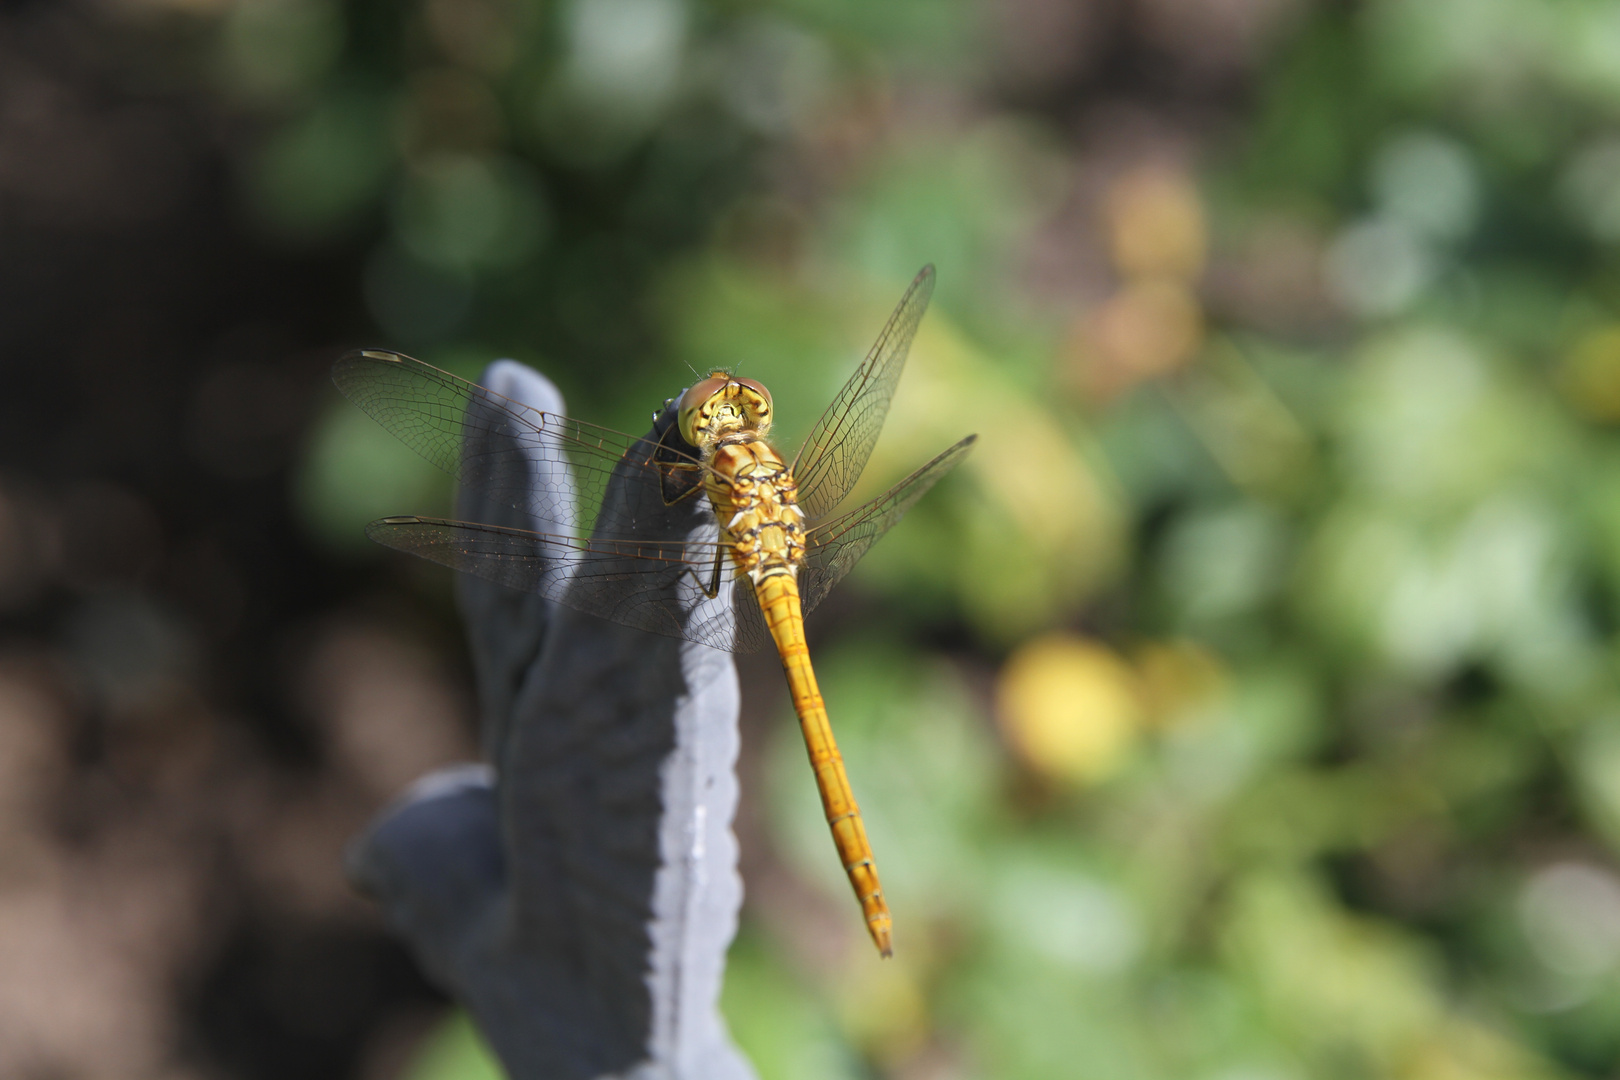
(580, 895)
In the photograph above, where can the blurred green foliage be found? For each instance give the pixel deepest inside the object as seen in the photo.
(455, 1051)
(1298, 468)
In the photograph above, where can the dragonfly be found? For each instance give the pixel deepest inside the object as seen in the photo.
(772, 533)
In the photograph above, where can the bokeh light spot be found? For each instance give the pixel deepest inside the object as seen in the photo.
(1070, 707)
(1570, 913)
(1590, 374)
(1428, 182)
(1147, 329)
(1156, 225)
(464, 213)
(1378, 266)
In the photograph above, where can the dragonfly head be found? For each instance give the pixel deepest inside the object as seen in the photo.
(721, 404)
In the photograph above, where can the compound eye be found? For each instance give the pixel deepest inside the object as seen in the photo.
(694, 399)
(758, 388)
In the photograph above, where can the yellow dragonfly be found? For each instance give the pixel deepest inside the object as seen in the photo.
(768, 536)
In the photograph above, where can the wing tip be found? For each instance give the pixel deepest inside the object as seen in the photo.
(959, 447)
(345, 368)
(923, 283)
(388, 356)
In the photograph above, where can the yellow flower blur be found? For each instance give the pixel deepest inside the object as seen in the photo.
(1070, 707)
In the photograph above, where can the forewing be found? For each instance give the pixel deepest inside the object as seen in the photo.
(834, 547)
(506, 627)
(653, 585)
(491, 443)
(836, 450)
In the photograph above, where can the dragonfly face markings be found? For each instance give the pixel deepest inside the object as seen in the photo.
(721, 405)
(774, 522)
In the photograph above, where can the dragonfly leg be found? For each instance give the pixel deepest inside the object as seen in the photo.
(712, 589)
(679, 479)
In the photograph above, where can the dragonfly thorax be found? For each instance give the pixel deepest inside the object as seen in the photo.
(756, 501)
(723, 404)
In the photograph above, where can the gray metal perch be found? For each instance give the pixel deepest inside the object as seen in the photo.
(579, 894)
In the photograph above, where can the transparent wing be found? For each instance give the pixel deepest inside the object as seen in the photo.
(442, 417)
(653, 585)
(834, 547)
(832, 457)
(747, 620)
(601, 559)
